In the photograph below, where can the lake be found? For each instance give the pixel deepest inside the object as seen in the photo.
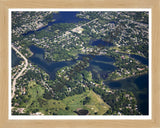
(101, 43)
(15, 60)
(139, 86)
(50, 67)
(67, 17)
(61, 17)
(141, 59)
(98, 64)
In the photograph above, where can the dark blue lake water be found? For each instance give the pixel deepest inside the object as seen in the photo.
(139, 86)
(141, 59)
(50, 67)
(67, 17)
(101, 43)
(98, 64)
(113, 22)
(61, 17)
(15, 60)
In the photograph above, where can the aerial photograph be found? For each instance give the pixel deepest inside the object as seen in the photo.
(79, 63)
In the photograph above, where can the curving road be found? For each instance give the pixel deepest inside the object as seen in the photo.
(20, 73)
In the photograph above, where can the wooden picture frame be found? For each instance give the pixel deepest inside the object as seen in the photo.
(154, 5)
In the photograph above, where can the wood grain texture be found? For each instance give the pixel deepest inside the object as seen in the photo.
(6, 4)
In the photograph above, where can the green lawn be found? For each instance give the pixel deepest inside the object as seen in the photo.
(96, 104)
(66, 106)
(35, 91)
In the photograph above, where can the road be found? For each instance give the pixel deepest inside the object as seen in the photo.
(20, 73)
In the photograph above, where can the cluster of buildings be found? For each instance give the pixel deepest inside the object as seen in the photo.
(29, 21)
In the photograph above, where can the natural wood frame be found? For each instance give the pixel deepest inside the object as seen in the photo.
(6, 4)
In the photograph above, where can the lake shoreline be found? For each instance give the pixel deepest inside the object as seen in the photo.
(129, 77)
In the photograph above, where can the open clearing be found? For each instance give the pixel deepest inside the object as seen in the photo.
(67, 106)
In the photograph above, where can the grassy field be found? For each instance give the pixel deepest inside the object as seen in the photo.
(35, 92)
(96, 104)
(67, 106)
